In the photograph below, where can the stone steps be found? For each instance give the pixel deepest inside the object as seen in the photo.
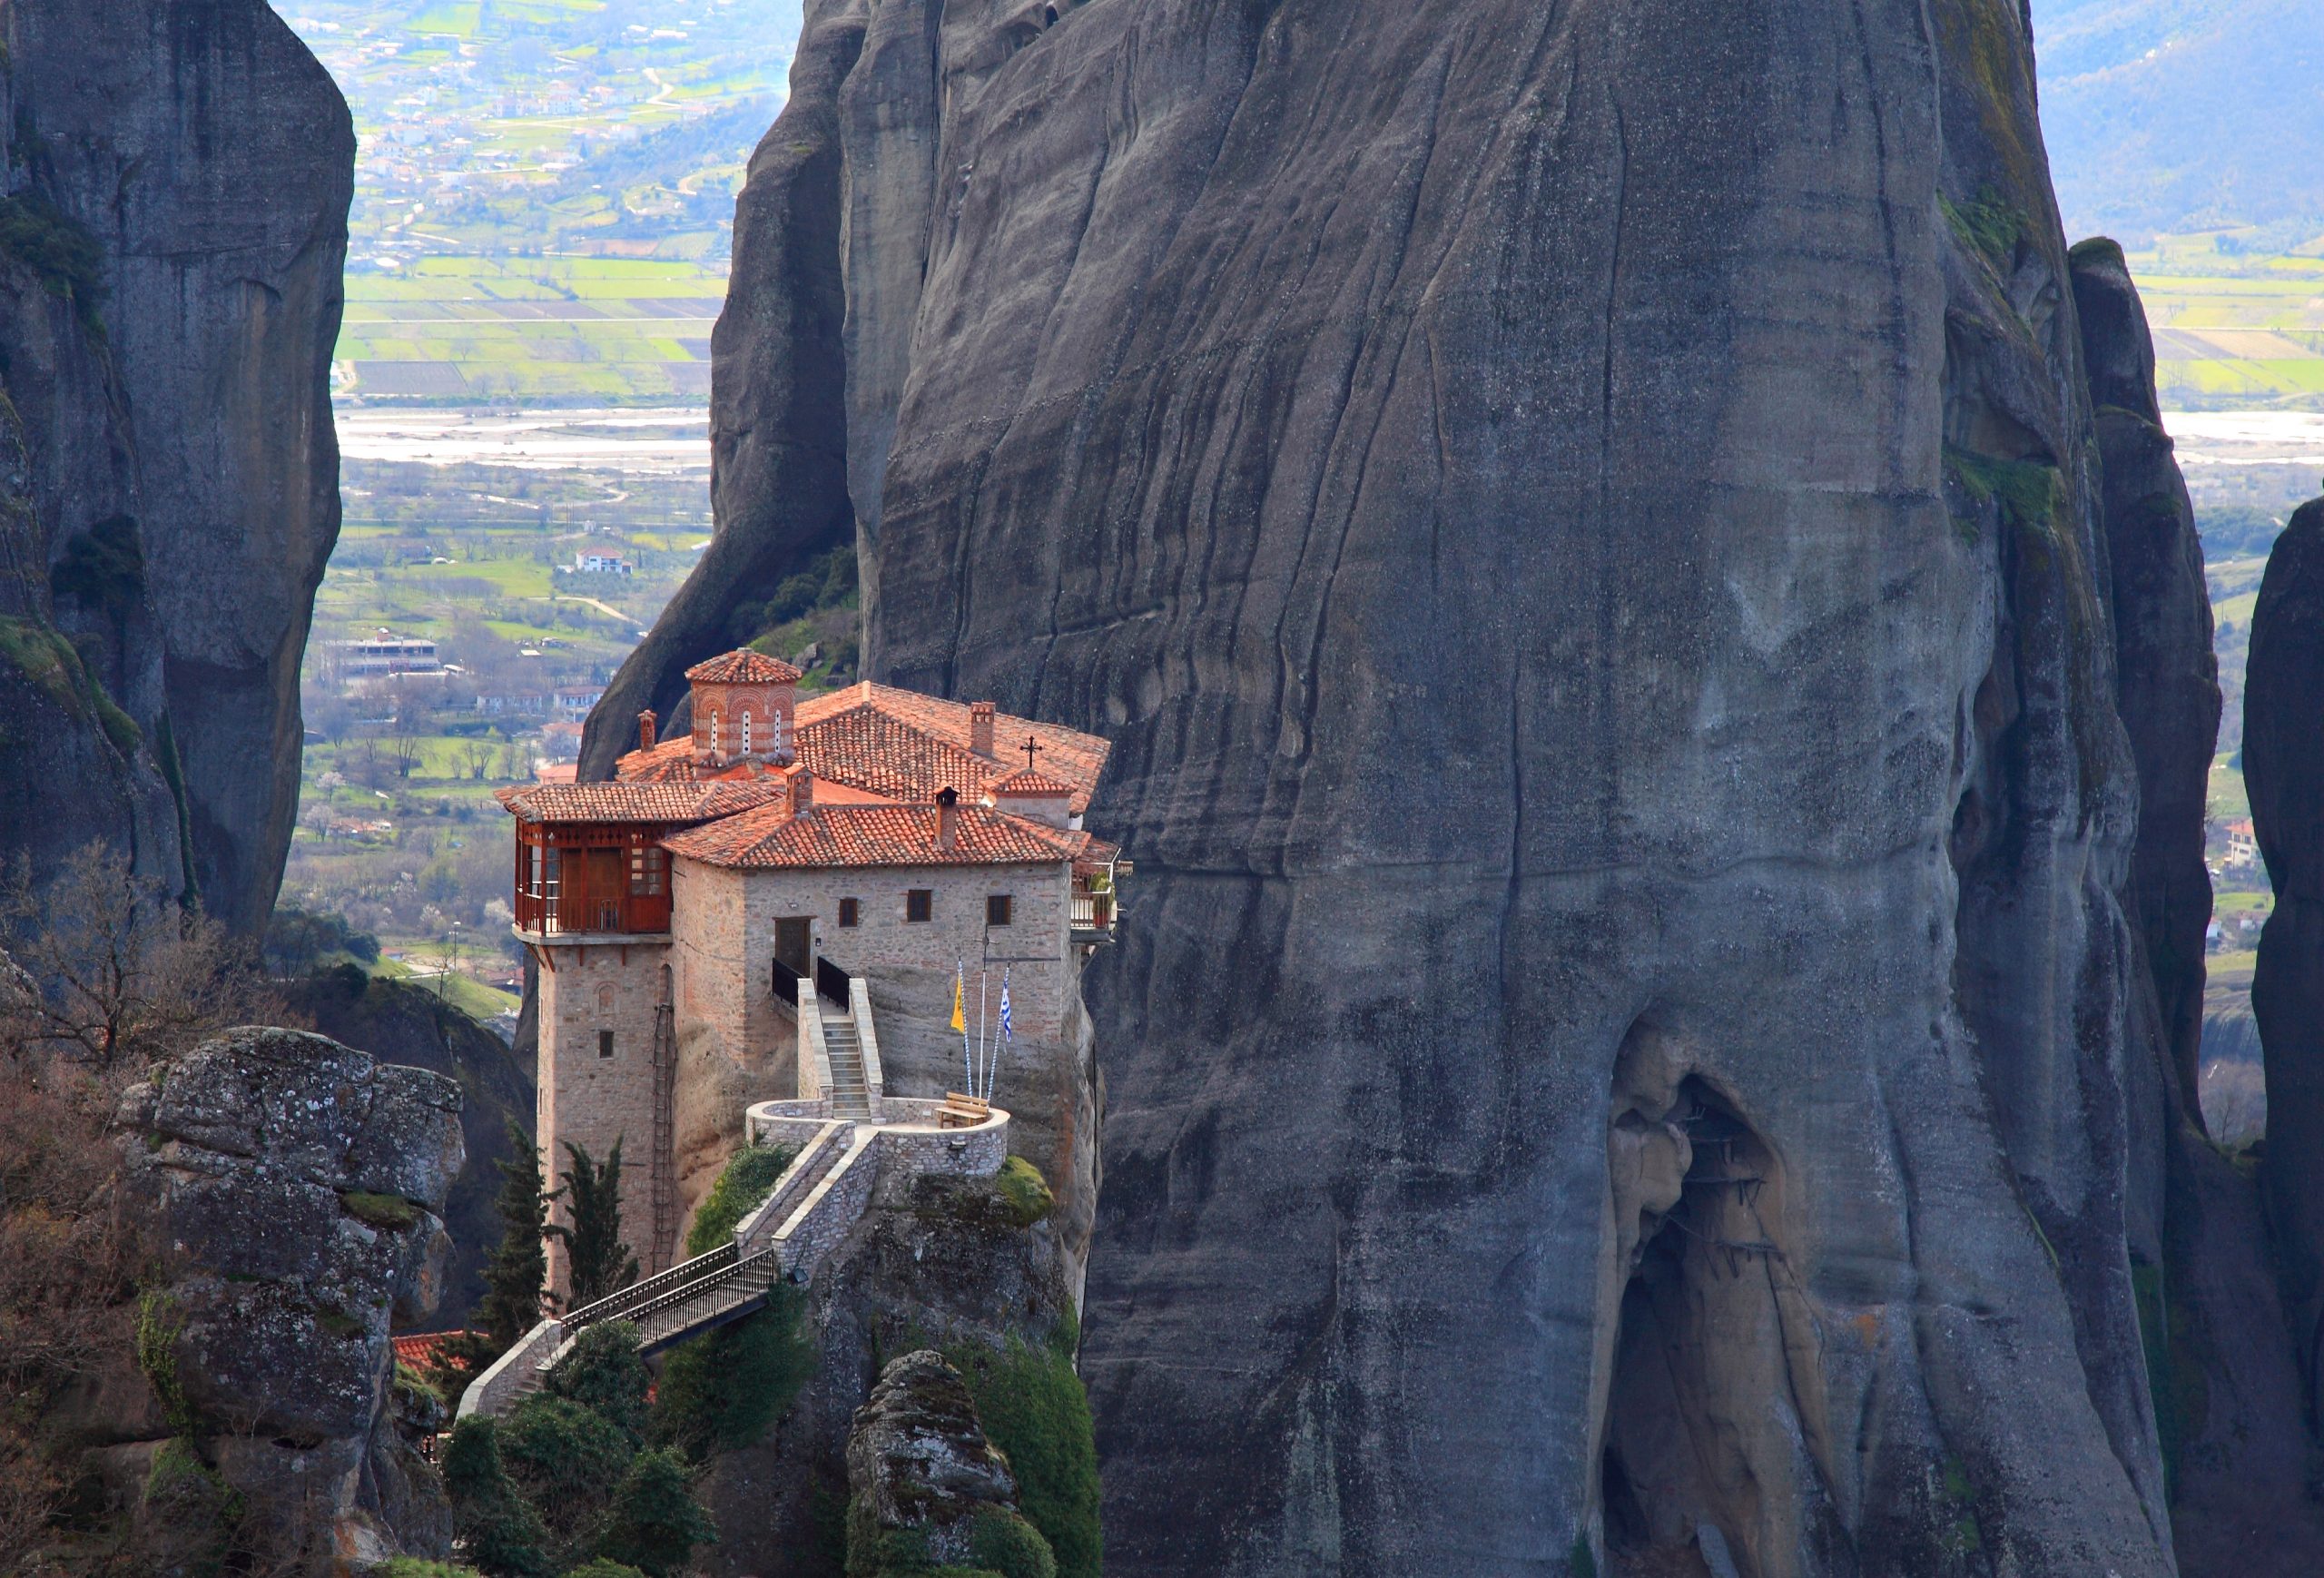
(851, 1091)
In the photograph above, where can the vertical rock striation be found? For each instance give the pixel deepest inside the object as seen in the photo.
(2224, 1375)
(1638, 1031)
(2165, 673)
(2283, 768)
(203, 161)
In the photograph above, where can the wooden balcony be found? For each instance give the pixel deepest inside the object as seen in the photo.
(577, 881)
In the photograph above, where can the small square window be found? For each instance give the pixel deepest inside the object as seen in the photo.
(851, 912)
(919, 903)
(604, 1043)
(998, 908)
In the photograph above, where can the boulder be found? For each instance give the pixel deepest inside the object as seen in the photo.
(287, 1193)
(919, 1465)
(398, 1023)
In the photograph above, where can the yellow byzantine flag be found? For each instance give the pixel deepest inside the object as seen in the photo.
(959, 997)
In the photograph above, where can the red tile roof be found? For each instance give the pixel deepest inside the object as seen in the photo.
(1027, 781)
(873, 750)
(841, 735)
(646, 803)
(872, 835)
(742, 667)
(417, 1349)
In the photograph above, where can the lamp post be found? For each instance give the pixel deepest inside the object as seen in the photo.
(451, 963)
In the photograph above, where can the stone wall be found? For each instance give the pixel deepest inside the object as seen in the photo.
(590, 1100)
(1036, 944)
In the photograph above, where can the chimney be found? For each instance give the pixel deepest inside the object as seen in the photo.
(980, 727)
(802, 790)
(646, 730)
(948, 816)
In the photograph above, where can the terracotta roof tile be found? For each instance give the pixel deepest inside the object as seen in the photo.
(945, 760)
(1026, 781)
(872, 750)
(742, 667)
(871, 835)
(663, 802)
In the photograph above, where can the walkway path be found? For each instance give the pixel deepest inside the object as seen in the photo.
(819, 1196)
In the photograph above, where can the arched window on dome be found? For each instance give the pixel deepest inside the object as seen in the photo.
(746, 731)
(716, 749)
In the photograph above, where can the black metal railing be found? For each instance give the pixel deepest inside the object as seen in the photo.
(786, 983)
(627, 1302)
(831, 981)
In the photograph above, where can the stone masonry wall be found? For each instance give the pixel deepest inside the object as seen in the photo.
(1035, 943)
(591, 1099)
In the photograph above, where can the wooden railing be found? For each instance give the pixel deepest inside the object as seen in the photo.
(552, 913)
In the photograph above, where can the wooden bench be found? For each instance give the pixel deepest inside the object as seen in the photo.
(961, 1111)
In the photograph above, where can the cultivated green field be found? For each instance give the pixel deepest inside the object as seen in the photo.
(466, 330)
(2234, 331)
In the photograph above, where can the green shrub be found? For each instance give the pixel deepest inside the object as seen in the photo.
(392, 1212)
(159, 1324)
(604, 1372)
(566, 1461)
(721, 1390)
(655, 1525)
(750, 1176)
(1010, 1545)
(1020, 1183)
(1035, 1410)
(415, 1567)
(602, 1568)
(58, 250)
(503, 1534)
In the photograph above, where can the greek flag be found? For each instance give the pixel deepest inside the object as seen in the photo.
(1006, 1033)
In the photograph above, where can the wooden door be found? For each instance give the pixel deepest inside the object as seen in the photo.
(607, 879)
(794, 940)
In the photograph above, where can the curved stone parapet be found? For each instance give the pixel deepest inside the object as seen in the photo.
(908, 1130)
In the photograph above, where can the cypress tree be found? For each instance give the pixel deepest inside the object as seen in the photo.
(516, 1275)
(513, 1277)
(600, 1263)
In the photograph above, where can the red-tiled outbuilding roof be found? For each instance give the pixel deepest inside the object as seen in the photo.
(663, 803)
(742, 667)
(1037, 785)
(872, 835)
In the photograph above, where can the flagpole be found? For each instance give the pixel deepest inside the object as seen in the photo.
(1008, 1034)
(959, 990)
(981, 1057)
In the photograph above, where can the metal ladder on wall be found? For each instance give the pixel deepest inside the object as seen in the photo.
(665, 1157)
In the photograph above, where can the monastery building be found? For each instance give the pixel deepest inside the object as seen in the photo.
(749, 882)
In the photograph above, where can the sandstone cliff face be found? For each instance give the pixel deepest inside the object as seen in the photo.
(1582, 525)
(287, 1192)
(2283, 765)
(208, 161)
(2222, 1365)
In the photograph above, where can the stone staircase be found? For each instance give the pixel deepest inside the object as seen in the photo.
(851, 1091)
(816, 1200)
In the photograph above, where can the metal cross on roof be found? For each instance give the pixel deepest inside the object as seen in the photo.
(1030, 747)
